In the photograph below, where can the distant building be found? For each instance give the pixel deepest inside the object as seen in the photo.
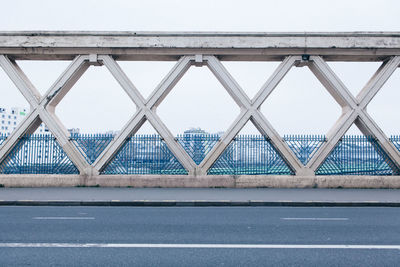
(73, 131)
(111, 132)
(198, 131)
(195, 131)
(9, 120)
(220, 133)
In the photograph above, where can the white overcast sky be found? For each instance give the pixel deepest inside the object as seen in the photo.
(299, 104)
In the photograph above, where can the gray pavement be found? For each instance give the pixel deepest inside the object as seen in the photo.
(198, 196)
(101, 236)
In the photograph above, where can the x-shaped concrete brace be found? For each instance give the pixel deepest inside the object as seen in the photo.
(353, 110)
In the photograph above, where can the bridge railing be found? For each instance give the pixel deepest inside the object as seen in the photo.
(245, 155)
(302, 156)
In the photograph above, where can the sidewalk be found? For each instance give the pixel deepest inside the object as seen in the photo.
(90, 196)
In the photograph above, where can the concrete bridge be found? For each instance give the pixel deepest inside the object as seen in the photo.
(188, 49)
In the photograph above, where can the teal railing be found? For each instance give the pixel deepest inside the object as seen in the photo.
(245, 155)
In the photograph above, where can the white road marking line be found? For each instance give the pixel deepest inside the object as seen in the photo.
(231, 246)
(63, 218)
(315, 219)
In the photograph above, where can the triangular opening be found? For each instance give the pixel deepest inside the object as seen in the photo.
(146, 75)
(250, 155)
(384, 107)
(144, 154)
(95, 104)
(92, 145)
(300, 104)
(42, 129)
(250, 129)
(37, 154)
(395, 139)
(251, 75)
(198, 100)
(357, 155)
(304, 146)
(2, 138)
(13, 105)
(146, 129)
(197, 143)
(43, 73)
(354, 75)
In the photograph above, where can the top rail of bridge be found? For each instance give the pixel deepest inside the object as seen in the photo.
(241, 46)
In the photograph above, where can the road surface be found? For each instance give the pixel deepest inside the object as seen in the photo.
(199, 236)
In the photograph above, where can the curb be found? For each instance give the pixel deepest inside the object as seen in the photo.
(196, 203)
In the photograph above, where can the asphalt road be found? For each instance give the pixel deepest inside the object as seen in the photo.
(233, 236)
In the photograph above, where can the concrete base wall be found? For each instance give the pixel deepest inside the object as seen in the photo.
(226, 181)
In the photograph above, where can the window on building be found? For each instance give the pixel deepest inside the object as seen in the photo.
(9, 116)
(2, 127)
(15, 123)
(2, 122)
(3, 116)
(9, 122)
(15, 117)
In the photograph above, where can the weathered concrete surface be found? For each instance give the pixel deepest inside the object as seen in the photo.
(228, 45)
(44, 180)
(210, 181)
(319, 181)
(205, 49)
(187, 194)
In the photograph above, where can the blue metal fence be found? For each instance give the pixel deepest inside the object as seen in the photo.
(304, 146)
(198, 145)
(37, 154)
(91, 145)
(395, 139)
(250, 154)
(357, 155)
(144, 154)
(247, 154)
(2, 138)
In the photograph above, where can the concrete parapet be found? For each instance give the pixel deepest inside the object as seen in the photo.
(209, 181)
(228, 45)
(312, 50)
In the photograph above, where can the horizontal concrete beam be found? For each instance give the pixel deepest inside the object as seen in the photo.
(209, 181)
(353, 46)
